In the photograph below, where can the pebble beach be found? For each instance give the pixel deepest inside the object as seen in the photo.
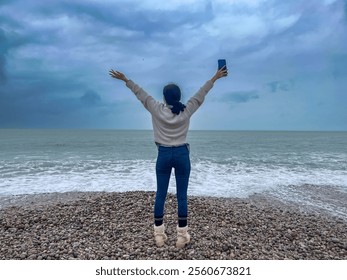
(118, 226)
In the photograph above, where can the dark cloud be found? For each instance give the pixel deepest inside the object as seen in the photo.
(98, 16)
(11, 40)
(339, 69)
(2, 69)
(310, 18)
(3, 51)
(278, 86)
(29, 109)
(90, 98)
(44, 100)
(54, 57)
(240, 96)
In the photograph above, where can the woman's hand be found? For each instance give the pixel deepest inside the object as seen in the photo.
(223, 72)
(118, 75)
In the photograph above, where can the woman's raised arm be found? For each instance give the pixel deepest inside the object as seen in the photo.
(118, 75)
(223, 72)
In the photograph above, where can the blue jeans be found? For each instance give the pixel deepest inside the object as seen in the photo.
(168, 158)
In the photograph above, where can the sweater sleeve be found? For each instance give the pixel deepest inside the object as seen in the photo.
(198, 98)
(148, 101)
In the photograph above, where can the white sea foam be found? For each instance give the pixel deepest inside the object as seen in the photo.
(208, 178)
(242, 180)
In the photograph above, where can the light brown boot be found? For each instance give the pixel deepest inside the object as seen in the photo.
(183, 237)
(159, 235)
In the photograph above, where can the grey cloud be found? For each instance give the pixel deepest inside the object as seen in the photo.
(95, 23)
(7, 42)
(43, 100)
(2, 69)
(3, 50)
(339, 66)
(240, 96)
(278, 86)
(312, 18)
(57, 76)
(90, 98)
(11, 40)
(30, 109)
(127, 16)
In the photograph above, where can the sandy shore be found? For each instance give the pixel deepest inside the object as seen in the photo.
(119, 226)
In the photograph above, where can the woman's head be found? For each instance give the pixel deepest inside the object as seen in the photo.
(172, 96)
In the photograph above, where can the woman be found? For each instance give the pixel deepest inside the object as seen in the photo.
(170, 126)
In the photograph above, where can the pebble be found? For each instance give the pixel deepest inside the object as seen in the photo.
(119, 226)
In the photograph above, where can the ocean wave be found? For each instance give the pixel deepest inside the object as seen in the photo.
(229, 178)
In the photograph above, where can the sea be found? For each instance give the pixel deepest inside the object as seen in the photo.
(308, 169)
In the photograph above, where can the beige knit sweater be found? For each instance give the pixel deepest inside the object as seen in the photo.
(170, 129)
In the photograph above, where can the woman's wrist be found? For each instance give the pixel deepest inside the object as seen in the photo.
(214, 79)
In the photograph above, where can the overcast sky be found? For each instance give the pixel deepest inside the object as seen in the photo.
(287, 62)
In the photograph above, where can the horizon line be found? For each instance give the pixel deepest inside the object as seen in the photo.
(138, 129)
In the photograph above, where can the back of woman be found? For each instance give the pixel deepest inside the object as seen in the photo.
(170, 122)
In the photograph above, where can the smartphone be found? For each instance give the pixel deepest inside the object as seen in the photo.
(222, 63)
